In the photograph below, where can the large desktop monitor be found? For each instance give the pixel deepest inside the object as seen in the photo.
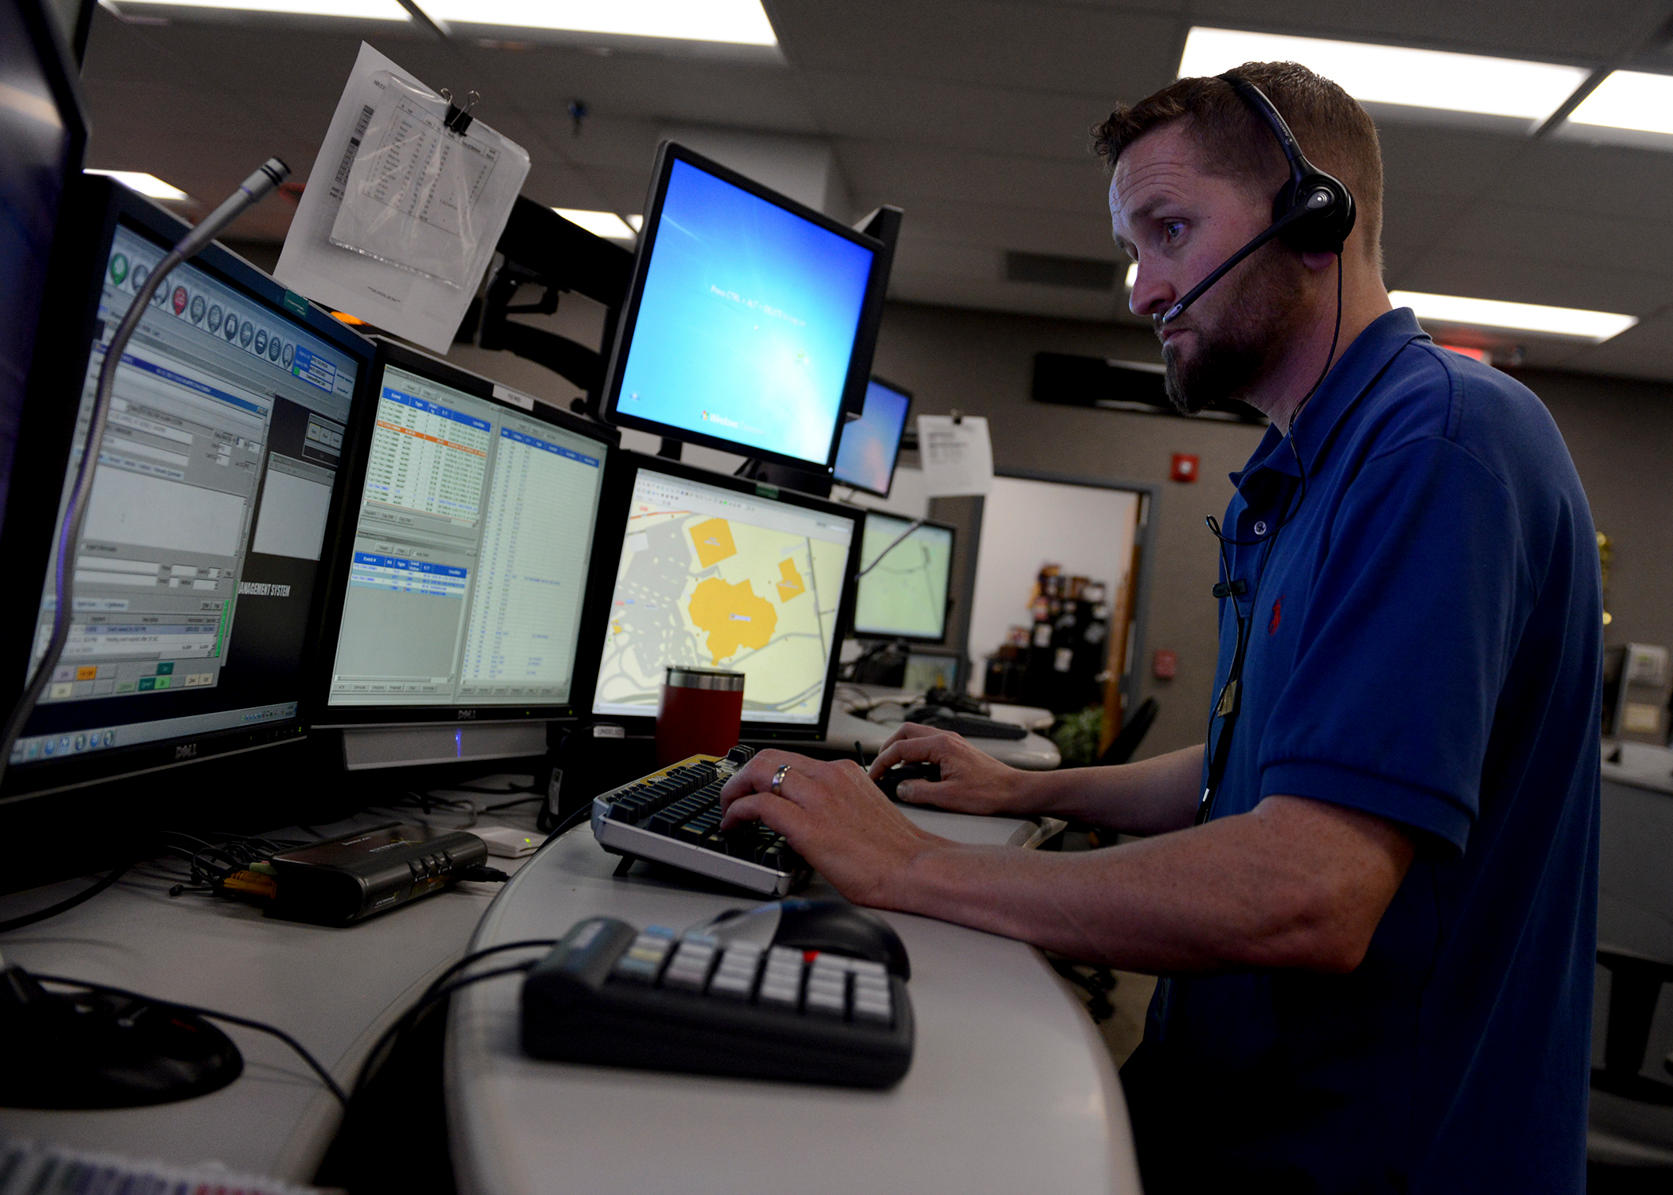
(196, 571)
(750, 320)
(870, 445)
(463, 576)
(903, 590)
(719, 572)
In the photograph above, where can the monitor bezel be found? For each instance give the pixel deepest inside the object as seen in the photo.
(859, 632)
(632, 463)
(865, 332)
(322, 714)
(101, 205)
(900, 439)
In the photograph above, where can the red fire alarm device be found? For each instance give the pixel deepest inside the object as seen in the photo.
(1164, 664)
(1184, 467)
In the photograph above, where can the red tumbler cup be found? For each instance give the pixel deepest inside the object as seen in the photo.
(700, 713)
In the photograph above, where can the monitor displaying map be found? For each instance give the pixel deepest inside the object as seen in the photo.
(905, 571)
(717, 572)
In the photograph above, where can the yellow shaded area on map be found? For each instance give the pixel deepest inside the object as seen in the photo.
(792, 584)
(713, 541)
(734, 616)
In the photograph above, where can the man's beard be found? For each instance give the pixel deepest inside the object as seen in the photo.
(1256, 318)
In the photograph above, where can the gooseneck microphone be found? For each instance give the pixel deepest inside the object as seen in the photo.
(1317, 200)
(250, 192)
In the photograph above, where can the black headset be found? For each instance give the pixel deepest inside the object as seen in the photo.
(1313, 212)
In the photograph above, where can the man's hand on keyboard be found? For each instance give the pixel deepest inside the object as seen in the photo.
(833, 816)
(972, 781)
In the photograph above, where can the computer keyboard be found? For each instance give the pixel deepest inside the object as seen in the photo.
(971, 726)
(615, 995)
(672, 816)
(44, 1169)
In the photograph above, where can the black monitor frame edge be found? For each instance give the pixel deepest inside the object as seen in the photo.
(865, 332)
(339, 543)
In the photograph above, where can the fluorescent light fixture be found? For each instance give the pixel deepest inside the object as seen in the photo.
(601, 224)
(148, 185)
(1132, 274)
(366, 10)
(1629, 100)
(1595, 326)
(1377, 74)
(742, 22)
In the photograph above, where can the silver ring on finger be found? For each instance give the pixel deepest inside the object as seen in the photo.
(778, 779)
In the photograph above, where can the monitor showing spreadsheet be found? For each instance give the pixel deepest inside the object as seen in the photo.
(464, 553)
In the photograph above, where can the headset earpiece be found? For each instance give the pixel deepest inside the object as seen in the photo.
(1316, 208)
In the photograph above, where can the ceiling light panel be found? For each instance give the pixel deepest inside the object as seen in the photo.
(601, 224)
(365, 10)
(740, 22)
(1629, 100)
(1376, 74)
(1593, 326)
(148, 185)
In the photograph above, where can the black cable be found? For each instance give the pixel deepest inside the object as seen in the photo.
(492, 792)
(503, 805)
(211, 1014)
(570, 820)
(438, 990)
(68, 903)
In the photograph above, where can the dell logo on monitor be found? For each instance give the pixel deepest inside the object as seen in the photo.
(467, 715)
(186, 751)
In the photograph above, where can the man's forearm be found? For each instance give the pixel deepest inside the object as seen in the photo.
(1148, 797)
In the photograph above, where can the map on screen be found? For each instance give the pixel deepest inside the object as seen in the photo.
(714, 578)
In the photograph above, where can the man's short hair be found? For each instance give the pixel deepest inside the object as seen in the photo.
(1333, 130)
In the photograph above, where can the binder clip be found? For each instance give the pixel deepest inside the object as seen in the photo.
(458, 120)
(958, 417)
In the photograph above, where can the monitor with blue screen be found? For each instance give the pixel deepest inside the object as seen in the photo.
(750, 320)
(870, 444)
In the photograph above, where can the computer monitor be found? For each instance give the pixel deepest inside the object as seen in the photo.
(719, 572)
(463, 572)
(196, 571)
(43, 135)
(903, 593)
(750, 320)
(870, 445)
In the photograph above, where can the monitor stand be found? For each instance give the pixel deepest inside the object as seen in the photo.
(101, 1050)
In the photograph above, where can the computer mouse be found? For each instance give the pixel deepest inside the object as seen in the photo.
(889, 781)
(831, 926)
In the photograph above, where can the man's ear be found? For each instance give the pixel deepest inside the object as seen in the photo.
(1316, 262)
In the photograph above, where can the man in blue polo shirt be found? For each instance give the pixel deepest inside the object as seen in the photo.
(1371, 893)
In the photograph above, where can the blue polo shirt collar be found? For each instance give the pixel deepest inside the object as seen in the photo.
(1353, 373)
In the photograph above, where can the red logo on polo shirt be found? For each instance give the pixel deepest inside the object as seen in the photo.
(1277, 616)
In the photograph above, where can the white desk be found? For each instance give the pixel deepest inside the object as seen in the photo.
(334, 990)
(1010, 1088)
(1034, 753)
